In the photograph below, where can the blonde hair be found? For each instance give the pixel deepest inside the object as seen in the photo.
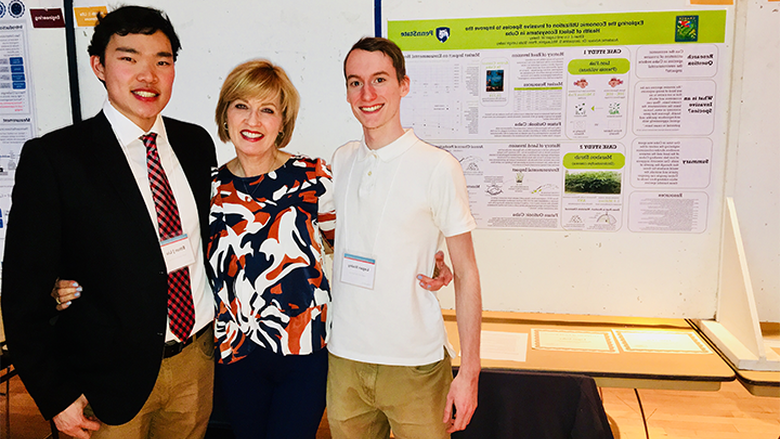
(259, 79)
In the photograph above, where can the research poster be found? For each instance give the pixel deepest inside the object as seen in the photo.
(17, 115)
(594, 122)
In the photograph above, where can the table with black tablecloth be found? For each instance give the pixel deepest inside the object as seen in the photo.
(535, 405)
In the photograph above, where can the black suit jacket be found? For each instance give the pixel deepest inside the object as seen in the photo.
(77, 213)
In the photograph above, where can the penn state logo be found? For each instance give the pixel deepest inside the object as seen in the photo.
(442, 34)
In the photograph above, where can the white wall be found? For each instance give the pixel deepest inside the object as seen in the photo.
(309, 40)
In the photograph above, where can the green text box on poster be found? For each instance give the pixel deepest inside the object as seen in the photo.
(597, 160)
(599, 66)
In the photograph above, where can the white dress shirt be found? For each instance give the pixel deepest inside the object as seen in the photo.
(129, 136)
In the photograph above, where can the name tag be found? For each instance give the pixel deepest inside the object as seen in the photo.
(177, 252)
(358, 271)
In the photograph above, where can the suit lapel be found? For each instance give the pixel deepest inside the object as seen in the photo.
(112, 170)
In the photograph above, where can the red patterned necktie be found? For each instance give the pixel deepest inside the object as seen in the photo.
(181, 311)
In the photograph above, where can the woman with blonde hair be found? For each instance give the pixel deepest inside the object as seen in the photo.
(270, 211)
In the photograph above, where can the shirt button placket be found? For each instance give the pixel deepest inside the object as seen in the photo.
(368, 182)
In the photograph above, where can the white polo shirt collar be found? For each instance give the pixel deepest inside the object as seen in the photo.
(388, 152)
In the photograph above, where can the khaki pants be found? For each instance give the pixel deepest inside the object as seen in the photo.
(179, 406)
(366, 401)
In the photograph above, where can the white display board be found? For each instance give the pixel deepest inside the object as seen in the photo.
(752, 177)
(28, 55)
(542, 94)
(556, 269)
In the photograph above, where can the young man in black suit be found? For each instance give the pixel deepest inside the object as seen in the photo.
(119, 203)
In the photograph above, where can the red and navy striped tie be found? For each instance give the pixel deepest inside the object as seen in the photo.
(181, 312)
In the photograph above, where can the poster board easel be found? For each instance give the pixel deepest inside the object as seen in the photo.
(735, 329)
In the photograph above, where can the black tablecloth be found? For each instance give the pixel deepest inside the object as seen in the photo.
(529, 405)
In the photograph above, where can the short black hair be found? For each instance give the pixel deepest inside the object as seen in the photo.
(389, 48)
(131, 20)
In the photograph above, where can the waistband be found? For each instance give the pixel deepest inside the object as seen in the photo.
(173, 348)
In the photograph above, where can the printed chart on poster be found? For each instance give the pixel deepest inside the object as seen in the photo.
(17, 115)
(592, 122)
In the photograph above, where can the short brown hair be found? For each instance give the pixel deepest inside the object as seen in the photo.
(259, 78)
(389, 48)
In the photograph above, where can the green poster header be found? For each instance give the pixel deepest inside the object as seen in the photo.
(612, 29)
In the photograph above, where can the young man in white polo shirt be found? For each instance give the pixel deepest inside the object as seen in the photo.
(397, 198)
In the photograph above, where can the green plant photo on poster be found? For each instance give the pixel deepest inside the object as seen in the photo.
(593, 182)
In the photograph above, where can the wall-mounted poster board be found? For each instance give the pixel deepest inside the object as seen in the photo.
(593, 139)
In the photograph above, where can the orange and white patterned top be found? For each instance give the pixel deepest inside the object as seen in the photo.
(265, 258)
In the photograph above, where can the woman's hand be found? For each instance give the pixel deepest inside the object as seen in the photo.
(442, 276)
(64, 292)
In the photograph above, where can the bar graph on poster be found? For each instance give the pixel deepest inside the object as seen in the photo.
(611, 122)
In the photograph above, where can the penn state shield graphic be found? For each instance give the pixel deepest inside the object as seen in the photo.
(442, 34)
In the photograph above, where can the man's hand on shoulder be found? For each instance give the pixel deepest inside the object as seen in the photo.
(72, 421)
(461, 401)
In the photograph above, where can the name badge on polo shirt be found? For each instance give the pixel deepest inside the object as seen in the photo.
(177, 252)
(358, 271)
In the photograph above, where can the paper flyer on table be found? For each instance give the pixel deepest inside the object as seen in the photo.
(508, 346)
(574, 340)
(682, 342)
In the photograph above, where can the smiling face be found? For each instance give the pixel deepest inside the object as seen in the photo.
(138, 73)
(375, 93)
(253, 125)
